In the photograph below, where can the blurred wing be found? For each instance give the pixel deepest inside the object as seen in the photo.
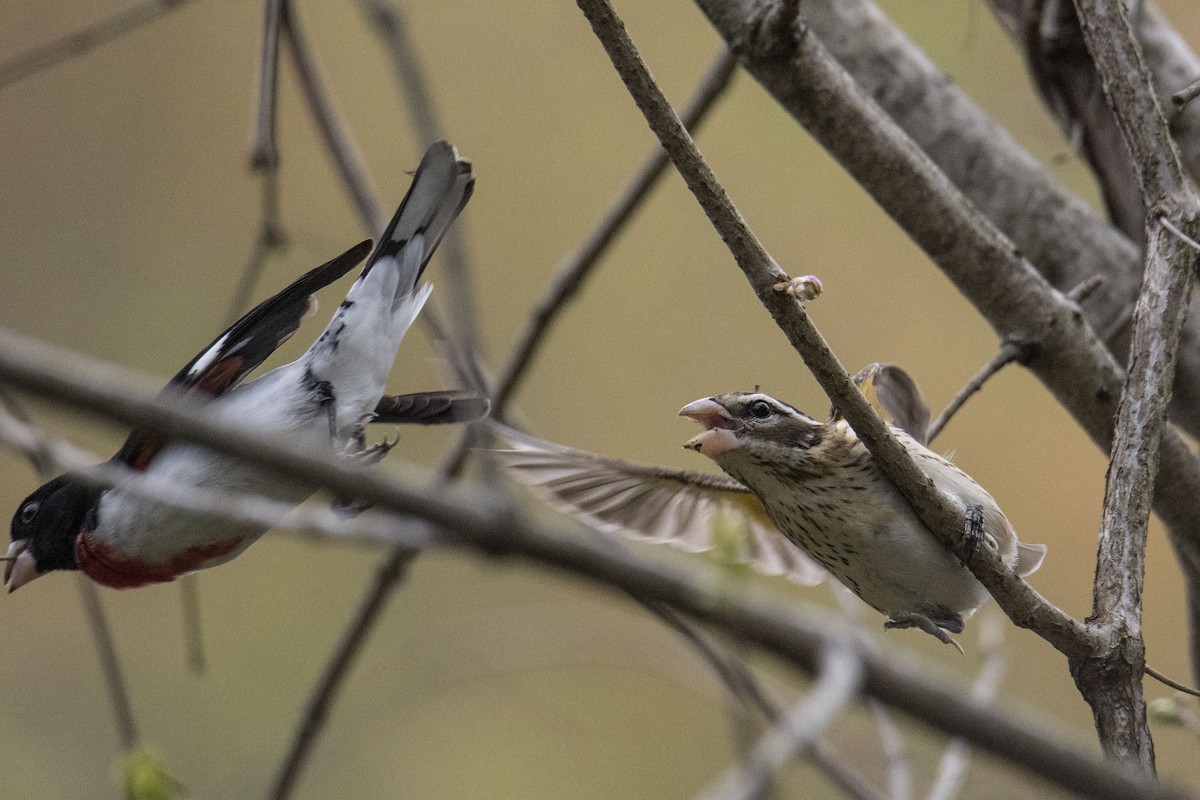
(244, 346)
(431, 408)
(895, 396)
(660, 505)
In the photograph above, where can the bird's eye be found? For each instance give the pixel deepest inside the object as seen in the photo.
(761, 409)
(29, 511)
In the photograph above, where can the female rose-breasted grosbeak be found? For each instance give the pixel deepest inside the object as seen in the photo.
(324, 398)
(817, 485)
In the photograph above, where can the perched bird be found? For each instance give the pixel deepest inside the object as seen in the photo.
(818, 486)
(323, 399)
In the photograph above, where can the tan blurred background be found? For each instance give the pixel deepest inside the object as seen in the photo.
(127, 212)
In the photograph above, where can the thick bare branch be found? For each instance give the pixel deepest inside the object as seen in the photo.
(832, 88)
(1111, 679)
(1056, 230)
(481, 522)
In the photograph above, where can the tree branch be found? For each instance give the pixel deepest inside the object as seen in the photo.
(839, 677)
(84, 40)
(1111, 679)
(938, 513)
(479, 521)
(1056, 230)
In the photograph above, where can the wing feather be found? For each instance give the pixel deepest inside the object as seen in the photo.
(242, 347)
(659, 505)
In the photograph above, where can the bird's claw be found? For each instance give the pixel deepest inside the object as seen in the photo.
(373, 454)
(805, 287)
(973, 531)
(911, 619)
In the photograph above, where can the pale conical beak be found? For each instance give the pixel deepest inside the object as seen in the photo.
(719, 435)
(21, 567)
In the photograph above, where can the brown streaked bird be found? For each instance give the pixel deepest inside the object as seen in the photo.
(816, 484)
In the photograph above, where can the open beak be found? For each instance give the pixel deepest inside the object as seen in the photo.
(20, 567)
(718, 435)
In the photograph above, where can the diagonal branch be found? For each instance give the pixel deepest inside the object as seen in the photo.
(479, 521)
(839, 677)
(578, 268)
(84, 40)
(1023, 605)
(1069, 359)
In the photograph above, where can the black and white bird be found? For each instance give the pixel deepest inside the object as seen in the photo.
(323, 399)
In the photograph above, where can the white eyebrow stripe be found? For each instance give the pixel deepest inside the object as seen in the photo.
(779, 406)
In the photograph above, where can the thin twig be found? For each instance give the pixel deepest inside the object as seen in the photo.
(81, 41)
(483, 522)
(1186, 95)
(952, 769)
(839, 678)
(264, 155)
(1192, 243)
(110, 664)
(390, 572)
(1009, 352)
(193, 624)
(1176, 685)
(412, 77)
(40, 450)
(333, 133)
(942, 517)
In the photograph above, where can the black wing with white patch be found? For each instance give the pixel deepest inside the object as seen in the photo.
(244, 346)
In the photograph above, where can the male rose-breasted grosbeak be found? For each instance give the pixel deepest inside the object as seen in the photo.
(323, 399)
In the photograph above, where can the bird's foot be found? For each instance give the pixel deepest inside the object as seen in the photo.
(973, 532)
(360, 453)
(911, 619)
(974, 535)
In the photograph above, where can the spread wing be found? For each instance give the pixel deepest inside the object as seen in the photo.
(659, 505)
(244, 346)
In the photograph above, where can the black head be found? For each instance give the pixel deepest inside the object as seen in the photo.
(750, 420)
(44, 530)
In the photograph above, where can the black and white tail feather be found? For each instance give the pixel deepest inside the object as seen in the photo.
(354, 355)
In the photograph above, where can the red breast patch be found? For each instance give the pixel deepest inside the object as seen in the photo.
(109, 567)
